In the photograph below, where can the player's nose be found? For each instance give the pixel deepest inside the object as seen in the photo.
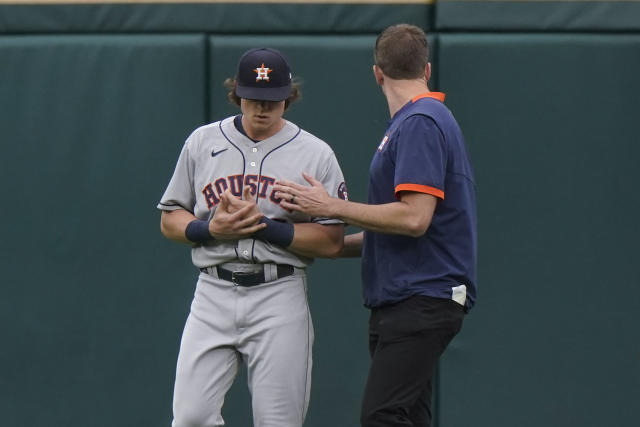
(266, 105)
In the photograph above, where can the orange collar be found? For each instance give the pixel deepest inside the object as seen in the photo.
(435, 95)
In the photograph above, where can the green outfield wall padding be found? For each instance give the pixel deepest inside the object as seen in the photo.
(235, 18)
(551, 124)
(93, 298)
(317, 18)
(537, 15)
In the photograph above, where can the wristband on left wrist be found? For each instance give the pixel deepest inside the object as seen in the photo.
(277, 232)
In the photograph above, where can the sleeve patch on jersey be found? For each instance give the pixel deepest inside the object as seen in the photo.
(420, 189)
(383, 142)
(342, 191)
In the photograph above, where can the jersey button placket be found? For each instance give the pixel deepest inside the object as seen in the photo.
(254, 157)
(245, 245)
(244, 249)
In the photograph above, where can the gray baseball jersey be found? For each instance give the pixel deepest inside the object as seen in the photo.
(217, 157)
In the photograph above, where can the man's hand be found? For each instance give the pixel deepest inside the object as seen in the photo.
(234, 218)
(235, 204)
(313, 200)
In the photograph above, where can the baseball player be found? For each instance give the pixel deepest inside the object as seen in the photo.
(419, 242)
(250, 303)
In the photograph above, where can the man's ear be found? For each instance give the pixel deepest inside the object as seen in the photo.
(427, 71)
(378, 74)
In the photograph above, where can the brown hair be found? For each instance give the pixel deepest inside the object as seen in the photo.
(230, 85)
(401, 52)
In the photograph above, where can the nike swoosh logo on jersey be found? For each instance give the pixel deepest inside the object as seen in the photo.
(215, 153)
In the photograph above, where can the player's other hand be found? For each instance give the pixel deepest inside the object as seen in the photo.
(234, 218)
(312, 200)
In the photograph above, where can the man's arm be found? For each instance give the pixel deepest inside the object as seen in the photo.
(317, 240)
(352, 246)
(174, 223)
(223, 226)
(410, 216)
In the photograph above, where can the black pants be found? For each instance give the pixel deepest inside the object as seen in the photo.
(405, 341)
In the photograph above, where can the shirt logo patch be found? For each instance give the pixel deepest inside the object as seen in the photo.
(384, 141)
(262, 73)
(342, 191)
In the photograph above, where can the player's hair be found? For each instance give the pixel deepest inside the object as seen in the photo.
(402, 52)
(230, 85)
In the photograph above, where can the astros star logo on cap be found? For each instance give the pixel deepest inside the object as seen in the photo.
(263, 73)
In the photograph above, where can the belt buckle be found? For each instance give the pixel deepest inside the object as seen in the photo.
(237, 276)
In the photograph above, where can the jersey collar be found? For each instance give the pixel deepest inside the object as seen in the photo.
(286, 134)
(435, 95)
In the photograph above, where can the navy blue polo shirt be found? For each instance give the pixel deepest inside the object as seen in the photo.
(423, 151)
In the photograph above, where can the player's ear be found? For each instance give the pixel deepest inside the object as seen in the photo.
(427, 71)
(378, 74)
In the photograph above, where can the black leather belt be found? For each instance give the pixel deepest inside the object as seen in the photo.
(242, 278)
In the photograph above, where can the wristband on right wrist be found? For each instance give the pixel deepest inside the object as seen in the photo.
(277, 232)
(197, 231)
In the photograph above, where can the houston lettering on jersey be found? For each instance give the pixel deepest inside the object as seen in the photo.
(235, 184)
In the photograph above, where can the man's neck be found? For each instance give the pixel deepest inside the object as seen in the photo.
(399, 92)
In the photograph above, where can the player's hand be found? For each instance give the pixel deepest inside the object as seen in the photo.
(312, 200)
(234, 218)
(235, 204)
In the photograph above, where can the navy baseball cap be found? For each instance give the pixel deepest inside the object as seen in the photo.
(264, 75)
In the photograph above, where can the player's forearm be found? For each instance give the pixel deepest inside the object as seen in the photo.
(174, 223)
(317, 241)
(392, 218)
(352, 246)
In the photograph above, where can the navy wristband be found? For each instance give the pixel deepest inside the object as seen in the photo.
(198, 231)
(277, 232)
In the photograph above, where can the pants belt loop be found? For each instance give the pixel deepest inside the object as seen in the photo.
(270, 272)
(213, 271)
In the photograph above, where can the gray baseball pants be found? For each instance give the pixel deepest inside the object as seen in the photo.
(269, 328)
